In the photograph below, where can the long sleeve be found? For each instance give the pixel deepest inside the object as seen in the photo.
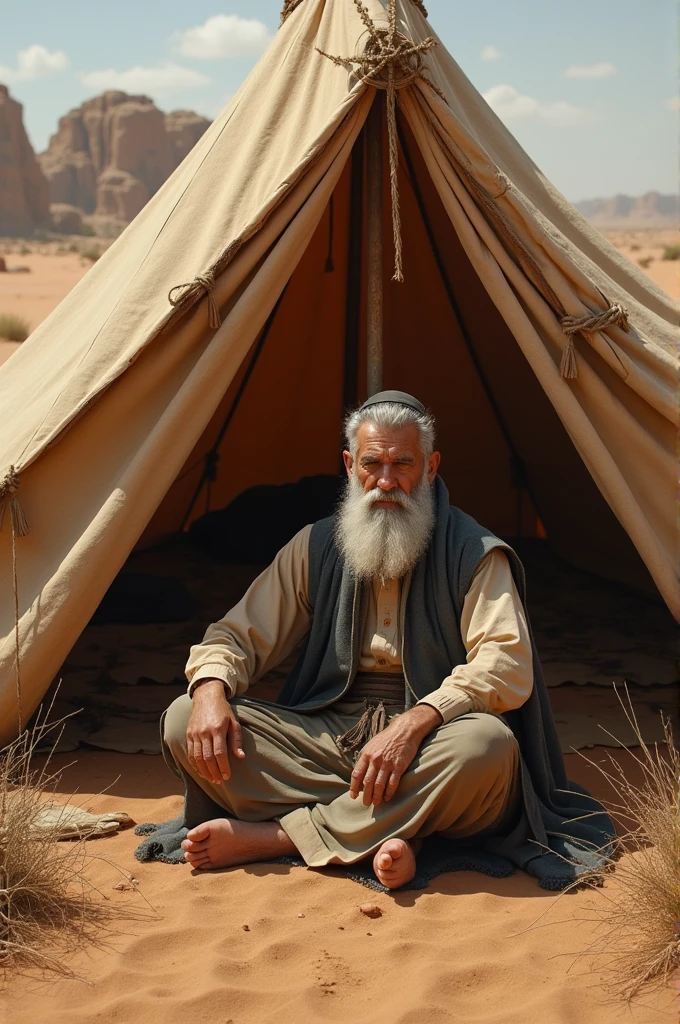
(498, 674)
(263, 628)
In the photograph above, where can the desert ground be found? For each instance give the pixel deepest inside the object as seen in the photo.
(269, 943)
(272, 944)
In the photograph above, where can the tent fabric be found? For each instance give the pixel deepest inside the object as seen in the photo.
(110, 405)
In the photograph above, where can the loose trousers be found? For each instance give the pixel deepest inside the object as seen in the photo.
(464, 781)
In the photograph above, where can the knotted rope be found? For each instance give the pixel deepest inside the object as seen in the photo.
(372, 722)
(290, 5)
(390, 61)
(588, 324)
(193, 291)
(503, 184)
(19, 527)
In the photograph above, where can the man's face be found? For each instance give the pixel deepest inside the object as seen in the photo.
(390, 459)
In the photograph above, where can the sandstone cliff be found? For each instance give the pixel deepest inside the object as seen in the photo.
(652, 210)
(110, 155)
(24, 193)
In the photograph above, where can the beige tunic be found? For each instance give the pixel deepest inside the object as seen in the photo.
(274, 614)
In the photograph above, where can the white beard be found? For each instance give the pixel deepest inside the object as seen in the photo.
(384, 542)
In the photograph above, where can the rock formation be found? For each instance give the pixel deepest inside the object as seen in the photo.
(66, 220)
(652, 210)
(24, 193)
(109, 156)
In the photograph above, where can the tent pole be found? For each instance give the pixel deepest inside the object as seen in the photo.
(374, 292)
(354, 267)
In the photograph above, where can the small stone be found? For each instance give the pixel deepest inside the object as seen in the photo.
(371, 910)
(301, 915)
(246, 927)
(369, 933)
(341, 927)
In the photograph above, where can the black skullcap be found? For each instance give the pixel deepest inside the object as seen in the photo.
(398, 398)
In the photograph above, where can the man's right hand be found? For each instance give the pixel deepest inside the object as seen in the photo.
(213, 731)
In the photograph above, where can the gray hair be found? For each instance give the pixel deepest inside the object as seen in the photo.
(390, 415)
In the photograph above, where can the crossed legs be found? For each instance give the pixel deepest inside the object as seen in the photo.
(291, 792)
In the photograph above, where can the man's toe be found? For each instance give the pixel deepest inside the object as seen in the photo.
(199, 834)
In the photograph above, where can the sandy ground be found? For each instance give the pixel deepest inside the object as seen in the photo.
(645, 247)
(52, 275)
(468, 948)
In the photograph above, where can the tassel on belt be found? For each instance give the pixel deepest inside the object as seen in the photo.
(378, 690)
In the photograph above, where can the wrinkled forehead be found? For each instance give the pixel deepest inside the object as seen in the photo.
(394, 442)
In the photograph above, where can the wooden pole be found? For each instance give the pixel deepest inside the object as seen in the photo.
(374, 196)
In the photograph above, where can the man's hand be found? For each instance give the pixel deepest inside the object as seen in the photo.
(386, 757)
(212, 732)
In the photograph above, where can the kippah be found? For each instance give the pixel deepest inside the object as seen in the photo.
(397, 397)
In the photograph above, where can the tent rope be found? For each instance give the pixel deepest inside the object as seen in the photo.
(192, 291)
(616, 314)
(503, 184)
(390, 61)
(19, 527)
(291, 5)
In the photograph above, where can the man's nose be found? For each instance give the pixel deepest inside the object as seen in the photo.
(386, 480)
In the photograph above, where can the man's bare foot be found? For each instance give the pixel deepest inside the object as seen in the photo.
(226, 842)
(394, 863)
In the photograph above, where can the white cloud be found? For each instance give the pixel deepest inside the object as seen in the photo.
(602, 70)
(35, 61)
(160, 81)
(510, 105)
(223, 35)
(672, 103)
(490, 53)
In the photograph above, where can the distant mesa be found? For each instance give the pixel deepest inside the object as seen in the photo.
(652, 210)
(24, 192)
(110, 155)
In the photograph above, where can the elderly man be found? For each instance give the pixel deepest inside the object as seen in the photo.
(391, 726)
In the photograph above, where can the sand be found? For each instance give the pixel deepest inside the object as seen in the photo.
(468, 949)
(645, 247)
(52, 275)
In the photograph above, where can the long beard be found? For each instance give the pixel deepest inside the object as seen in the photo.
(384, 542)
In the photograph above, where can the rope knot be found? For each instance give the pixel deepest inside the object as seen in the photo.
(503, 184)
(389, 61)
(8, 500)
(615, 315)
(291, 5)
(193, 291)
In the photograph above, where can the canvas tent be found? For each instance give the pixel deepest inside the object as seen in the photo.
(110, 406)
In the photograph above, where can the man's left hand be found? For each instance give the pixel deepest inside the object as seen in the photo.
(386, 757)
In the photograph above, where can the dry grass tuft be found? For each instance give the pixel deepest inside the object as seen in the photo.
(13, 328)
(48, 908)
(638, 938)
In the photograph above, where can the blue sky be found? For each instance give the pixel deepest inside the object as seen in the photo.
(588, 87)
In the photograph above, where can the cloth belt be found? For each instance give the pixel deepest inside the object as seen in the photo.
(377, 690)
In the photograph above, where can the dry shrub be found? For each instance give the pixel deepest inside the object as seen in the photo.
(48, 907)
(13, 328)
(638, 936)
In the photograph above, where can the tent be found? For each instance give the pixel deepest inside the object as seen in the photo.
(243, 293)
